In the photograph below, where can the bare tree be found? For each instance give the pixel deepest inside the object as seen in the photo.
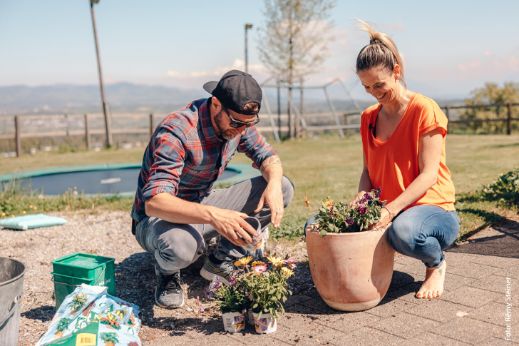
(293, 42)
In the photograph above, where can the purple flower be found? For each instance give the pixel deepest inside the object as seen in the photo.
(362, 209)
(349, 221)
(290, 263)
(213, 287)
(232, 280)
(367, 197)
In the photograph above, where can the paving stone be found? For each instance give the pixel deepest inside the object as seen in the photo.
(404, 293)
(211, 339)
(303, 330)
(247, 338)
(493, 283)
(454, 281)
(492, 313)
(494, 261)
(400, 279)
(391, 307)
(430, 339)
(455, 258)
(512, 271)
(467, 330)
(402, 259)
(412, 267)
(296, 299)
(470, 270)
(439, 310)
(370, 337)
(496, 342)
(510, 328)
(405, 325)
(349, 321)
(470, 296)
(315, 302)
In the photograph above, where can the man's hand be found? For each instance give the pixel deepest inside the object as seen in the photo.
(232, 225)
(273, 197)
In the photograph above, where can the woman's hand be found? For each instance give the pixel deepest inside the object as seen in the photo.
(385, 219)
(386, 216)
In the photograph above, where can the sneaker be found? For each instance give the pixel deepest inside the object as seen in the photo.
(211, 270)
(168, 293)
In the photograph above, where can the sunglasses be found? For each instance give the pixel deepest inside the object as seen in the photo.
(234, 123)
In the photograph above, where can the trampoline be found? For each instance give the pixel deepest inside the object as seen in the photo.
(103, 180)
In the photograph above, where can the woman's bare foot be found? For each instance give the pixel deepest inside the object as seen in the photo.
(432, 286)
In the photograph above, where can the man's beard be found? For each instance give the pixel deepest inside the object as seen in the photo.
(223, 134)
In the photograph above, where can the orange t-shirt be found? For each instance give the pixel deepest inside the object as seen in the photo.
(393, 164)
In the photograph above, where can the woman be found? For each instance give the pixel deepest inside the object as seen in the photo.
(403, 141)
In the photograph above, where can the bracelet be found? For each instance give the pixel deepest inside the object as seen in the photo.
(391, 215)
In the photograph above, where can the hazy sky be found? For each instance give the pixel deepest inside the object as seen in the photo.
(450, 47)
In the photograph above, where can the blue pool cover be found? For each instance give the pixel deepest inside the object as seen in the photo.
(105, 179)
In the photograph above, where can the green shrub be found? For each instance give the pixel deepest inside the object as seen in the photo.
(505, 190)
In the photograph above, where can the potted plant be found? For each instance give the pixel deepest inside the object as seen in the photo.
(351, 263)
(63, 324)
(78, 302)
(266, 283)
(109, 338)
(232, 302)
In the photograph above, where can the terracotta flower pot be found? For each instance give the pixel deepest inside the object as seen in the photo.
(351, 271)
(264, 323)
(233, 322)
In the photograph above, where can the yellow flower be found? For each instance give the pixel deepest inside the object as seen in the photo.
(242, 262)
(258, 263)
(276, 262)
(287, 272)
(328, 204)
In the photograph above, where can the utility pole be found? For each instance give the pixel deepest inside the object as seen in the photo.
(247, 26)
(108, 130)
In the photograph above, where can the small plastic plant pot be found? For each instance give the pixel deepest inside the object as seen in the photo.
(233, 322)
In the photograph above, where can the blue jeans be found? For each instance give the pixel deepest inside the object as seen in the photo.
(423, 232)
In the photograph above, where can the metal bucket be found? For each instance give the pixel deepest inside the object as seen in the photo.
(11, 287)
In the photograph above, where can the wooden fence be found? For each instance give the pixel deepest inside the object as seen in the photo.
(89, 125)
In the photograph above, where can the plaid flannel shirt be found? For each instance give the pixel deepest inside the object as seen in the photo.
(185, 156)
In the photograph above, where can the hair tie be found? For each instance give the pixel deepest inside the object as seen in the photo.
(375, 41)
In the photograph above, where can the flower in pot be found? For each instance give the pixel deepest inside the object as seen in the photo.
(109, 338)
(111, 320)
(351, 262)
(63, 324)
(232, 302)
(266, 282)
(78, 302)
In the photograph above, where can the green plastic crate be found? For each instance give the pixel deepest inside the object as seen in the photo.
(64, 285)
(72, 270)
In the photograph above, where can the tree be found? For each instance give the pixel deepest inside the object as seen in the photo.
(496, 96)
(293, 42)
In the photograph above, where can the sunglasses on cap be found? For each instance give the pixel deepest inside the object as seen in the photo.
(234, 123)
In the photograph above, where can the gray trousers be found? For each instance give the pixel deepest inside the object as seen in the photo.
(176, 246)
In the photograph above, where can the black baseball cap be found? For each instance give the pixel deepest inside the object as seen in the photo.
(234, 90)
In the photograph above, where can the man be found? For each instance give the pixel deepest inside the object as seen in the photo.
(176, 211)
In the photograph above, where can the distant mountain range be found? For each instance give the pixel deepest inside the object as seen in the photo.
(128, 97)
(66, 98)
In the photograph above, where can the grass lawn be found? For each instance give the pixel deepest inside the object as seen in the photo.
(321, 167)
